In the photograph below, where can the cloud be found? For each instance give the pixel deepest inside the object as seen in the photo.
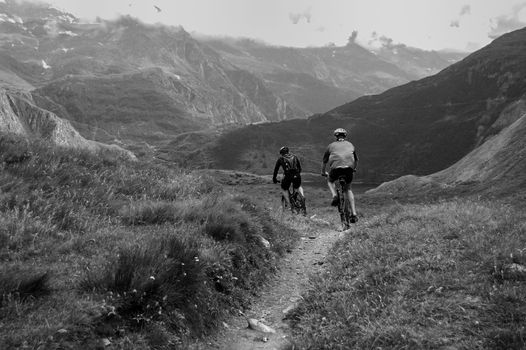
(352, 37)
(507, 23)
(383, 42)
(296, 17)
(466, 10)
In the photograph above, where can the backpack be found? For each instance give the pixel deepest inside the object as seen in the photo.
(291, 164)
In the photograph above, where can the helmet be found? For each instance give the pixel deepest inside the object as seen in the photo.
(284, 150)
(340, 132)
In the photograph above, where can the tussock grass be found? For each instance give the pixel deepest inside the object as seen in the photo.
(144, 254)
(422, 276)
(18, 285)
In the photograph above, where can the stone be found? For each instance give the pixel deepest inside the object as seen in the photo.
(259, 326)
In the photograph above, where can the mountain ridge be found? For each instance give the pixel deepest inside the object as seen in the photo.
(421, 127)
(200, 86)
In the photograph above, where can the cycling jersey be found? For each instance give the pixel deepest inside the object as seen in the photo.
(340, 154)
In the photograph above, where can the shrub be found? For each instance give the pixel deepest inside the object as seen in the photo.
(163, 282)
(18, 284)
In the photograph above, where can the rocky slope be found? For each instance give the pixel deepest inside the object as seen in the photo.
(20, 115)
(418, 128)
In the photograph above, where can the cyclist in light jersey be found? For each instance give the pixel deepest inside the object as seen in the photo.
(342, 159)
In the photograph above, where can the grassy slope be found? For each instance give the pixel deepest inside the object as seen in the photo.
(142, 255)
(426, 275)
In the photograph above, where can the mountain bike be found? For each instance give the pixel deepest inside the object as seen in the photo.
(344, 202)
(297, 201)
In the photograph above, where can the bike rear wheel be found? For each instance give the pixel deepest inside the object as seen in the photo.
(344, 205)
(297, 202)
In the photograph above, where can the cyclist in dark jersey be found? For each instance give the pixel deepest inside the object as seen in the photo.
(292, 172)
(342, 159)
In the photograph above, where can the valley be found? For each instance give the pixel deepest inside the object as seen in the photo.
(137, 209)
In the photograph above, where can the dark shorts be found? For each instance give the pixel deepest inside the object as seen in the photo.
(295, 180)
(334, 174)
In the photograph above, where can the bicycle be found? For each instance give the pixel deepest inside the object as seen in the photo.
(344, 202)
(297, 202)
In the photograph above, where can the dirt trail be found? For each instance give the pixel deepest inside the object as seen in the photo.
(283, 292)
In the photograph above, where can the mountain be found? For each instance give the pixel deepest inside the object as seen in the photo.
(417, 128)
(417, 62)
(20, 115)
(127, 72)
(319, 78)
(498, 166)
(145, 84)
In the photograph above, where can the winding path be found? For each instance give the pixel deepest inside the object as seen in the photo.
(283, 292)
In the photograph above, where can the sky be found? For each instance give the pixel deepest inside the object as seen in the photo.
(464, 25)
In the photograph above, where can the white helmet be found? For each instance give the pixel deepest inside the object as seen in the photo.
(340, 132)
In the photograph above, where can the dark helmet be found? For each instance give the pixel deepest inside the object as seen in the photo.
(283, 150)
(340, 132)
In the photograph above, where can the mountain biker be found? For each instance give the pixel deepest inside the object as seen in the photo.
(292, 172)
(342, 159)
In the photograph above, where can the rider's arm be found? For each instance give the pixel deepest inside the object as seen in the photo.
(325, 160)
(355, 160)
(276, 169)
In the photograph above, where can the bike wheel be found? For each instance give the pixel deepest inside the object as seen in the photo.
(341, 206)
(347, 210)
(299, 203)
(344, 206)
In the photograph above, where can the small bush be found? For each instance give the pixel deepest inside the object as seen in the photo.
(164, 282)
(20, 284)
(13, 149)
(19, 229)
(150, 213)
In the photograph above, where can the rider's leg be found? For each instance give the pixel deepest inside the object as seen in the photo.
(332, 187)
(285, 194)
(300, 189)
(285, 184)
(351, 199)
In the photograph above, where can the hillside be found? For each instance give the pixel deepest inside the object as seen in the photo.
(418, 128)
(123, 63)
(19, 115)
(497, 167)
(144, 84)
(103, 252)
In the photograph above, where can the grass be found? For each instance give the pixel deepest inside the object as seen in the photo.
(144, 255)
(422, 276)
